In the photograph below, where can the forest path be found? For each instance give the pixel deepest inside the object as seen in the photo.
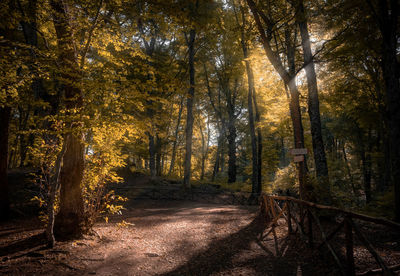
(168, 238)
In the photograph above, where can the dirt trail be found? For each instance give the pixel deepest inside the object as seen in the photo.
(165, 238)
(161, 237)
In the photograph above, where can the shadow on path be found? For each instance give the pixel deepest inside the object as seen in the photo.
(248, 252)
(220, 253)
(24, 245)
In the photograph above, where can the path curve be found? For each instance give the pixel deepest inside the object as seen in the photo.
(172, 238)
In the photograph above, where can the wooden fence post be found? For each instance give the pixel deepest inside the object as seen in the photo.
(289, 218)
(267, 216)
(310, 230)
(272, 207)
(348, 230)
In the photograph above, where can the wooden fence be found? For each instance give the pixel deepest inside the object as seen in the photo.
(177, 193)
(304, 217)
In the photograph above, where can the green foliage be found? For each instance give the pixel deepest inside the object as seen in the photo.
(44, 154)
(102, 159)
(285, 179)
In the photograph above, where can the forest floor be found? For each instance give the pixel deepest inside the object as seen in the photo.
(165, 237)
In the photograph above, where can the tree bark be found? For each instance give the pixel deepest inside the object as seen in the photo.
(189, 110)
(152, 155)
(231, 147)
(5, 113)
(348, 170)
(69, 221)
(254, 159)
(158, 146)
(321, 166)
(204, 148)
(389, 13)
(219, 153)
(54, 187)
(171, 167)
(259, 143)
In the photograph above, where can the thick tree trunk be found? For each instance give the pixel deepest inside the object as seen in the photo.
(321, 166)
(189, 110)
(69, 220)
(295, 115)
(389, 13)
(5, 113)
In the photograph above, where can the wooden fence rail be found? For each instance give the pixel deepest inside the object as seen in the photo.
(304, 215)
(177, 193)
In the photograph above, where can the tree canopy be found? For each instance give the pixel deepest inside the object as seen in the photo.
(289, 96)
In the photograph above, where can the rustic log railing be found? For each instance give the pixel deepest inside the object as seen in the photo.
(304, 216)
(195, 194)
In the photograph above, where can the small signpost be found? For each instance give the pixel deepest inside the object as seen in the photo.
(298, 158)
(298, 154)
(298, 151)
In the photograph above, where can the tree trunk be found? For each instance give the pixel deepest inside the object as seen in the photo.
(321, 166)
(389, 13)
(218, 154)
(69, 220)
(295, 115)
(189, 110)
(254, 159)
(158, 155)
(348, 170)
(366, 169)
(366, 164)
(152, 154)
(5, 113)
(171, 167)
(259, 144)
(231, 148)
(204, 148)
(54, 187)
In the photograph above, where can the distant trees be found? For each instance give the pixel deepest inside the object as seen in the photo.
(253, 110)
(287, 74)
